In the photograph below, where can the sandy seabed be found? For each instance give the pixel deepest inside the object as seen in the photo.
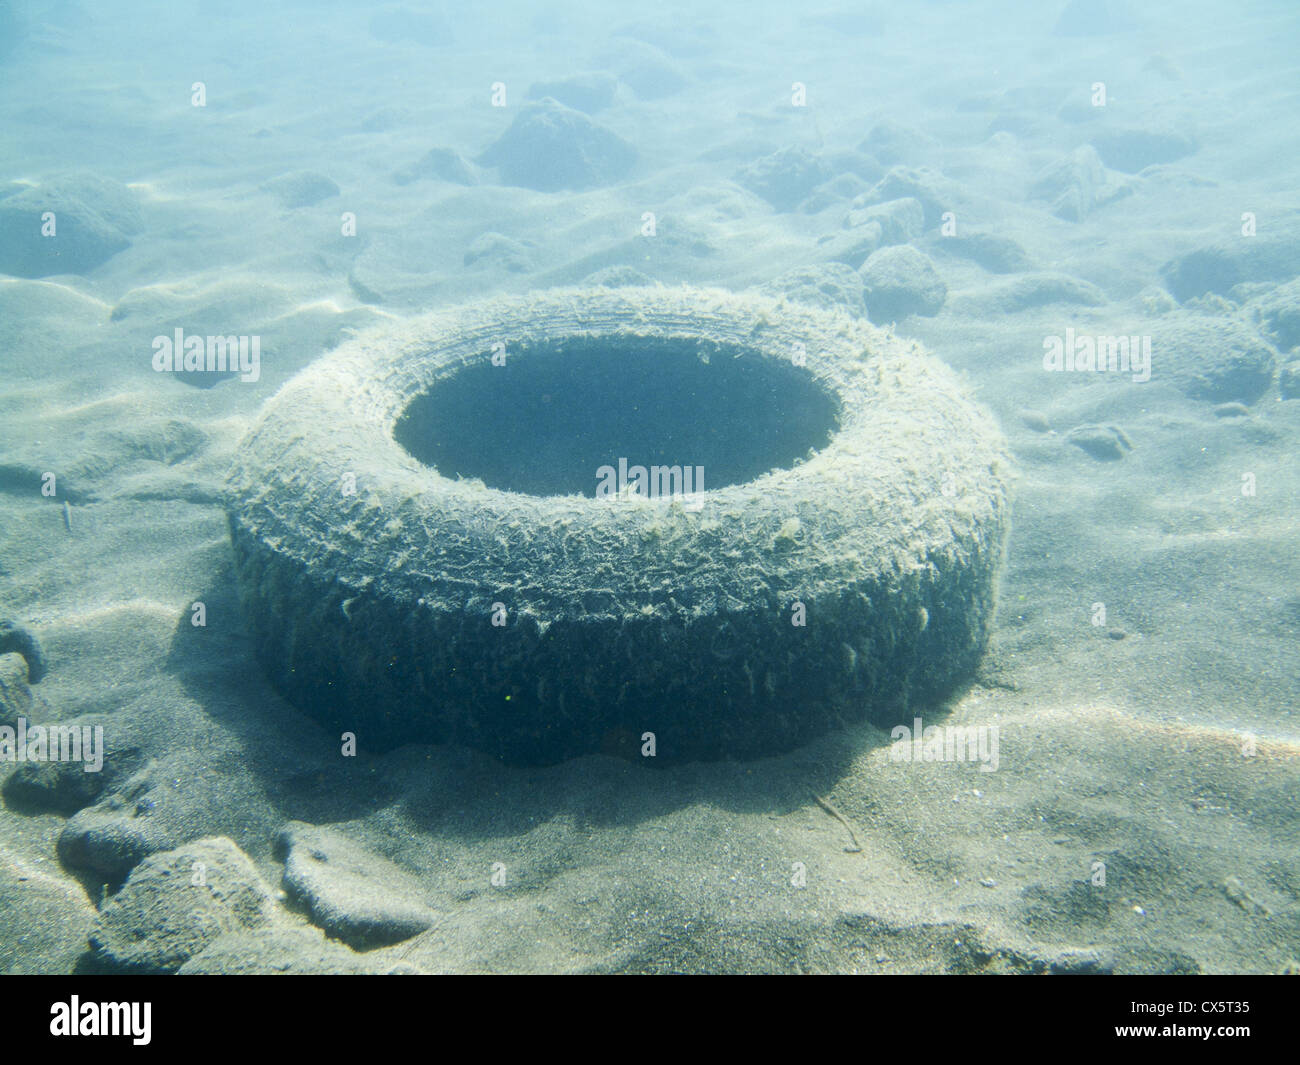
(1142, 675)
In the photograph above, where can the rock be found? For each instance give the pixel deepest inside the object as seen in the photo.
(1218, 268)
(892, 142)
(386, 119)
(1212, 357)
(838, 189)
(54, 787)
(923, 184)
(1076, 185)
(618, 277)
(1278, 314)
(16, 697)
(169, 441)
(352, 893)
(646, 70)
(1289, 380)
(45, 919)
(852, 247)
(583, 92)
(1106, 443)
(1028, 291)
(550, 147)
(400, 25)
(995, 253)
(17, 639)
(302, 188)
(442, 164)
(833, 286)
(1131, 150)
(493, 251)
(94, 219)
(857, 164)
(273, 952)
(900, 281)
(122, 829)
(1089, 962)
(785, 177)
(178, 902)
(1032, 419)
(899, 220)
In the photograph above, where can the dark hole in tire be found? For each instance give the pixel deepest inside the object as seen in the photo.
(546, 421)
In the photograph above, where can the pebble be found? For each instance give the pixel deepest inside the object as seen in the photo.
(176, 903)
(550, 147)
(349, 891)
(1106, 443)
(900, 281)
(17, 639)
(1032, 419)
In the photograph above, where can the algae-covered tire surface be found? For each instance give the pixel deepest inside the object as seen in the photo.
(424, 553)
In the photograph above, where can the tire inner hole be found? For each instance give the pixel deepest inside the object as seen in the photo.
(546, 421)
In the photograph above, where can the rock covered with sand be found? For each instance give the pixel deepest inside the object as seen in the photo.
(352, 893)
(550, 147)
(178, 902)
(66, 225)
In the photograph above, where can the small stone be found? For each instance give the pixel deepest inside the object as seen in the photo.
(646, 70)
(57, 787)
(784, 178)
(302, 188)
(891, 143)
(94, 218)
(1131, 150)
(1106, 443)
(1076, 185)
(120, 830)
(1081, 963)
(441, 164)
(833, 286)
(16, 697)
(176, 903)
(899, 220)
(582, 92)
(1029, 291)
(1289, 380)
(550, 147)
(1032, 419)
(352, 893)
(1212, 357)
(900, 281)
(1279, 315)
(45, 918)
(498, 252)
(275, 951)
(17, 639)
(1231, 410)
(921, 183)
(1218, 268)
(996, 253)
(1116, 634)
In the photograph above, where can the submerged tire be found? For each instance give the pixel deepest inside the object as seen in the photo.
(842, 561)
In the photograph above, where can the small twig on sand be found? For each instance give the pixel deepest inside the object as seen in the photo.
(825, 805)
